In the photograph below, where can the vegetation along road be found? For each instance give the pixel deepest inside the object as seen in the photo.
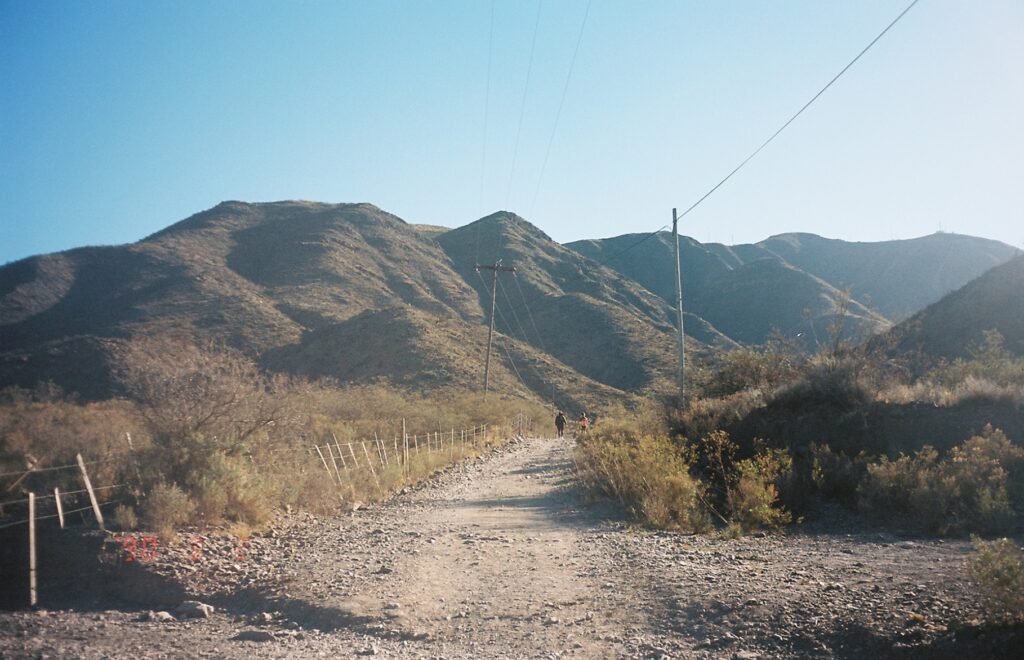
(502, 557)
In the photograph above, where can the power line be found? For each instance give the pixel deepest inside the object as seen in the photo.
(633, 245)
(522, 107)
(801, 110)
(561, 103)
(770, 138)
(522, 295)
(487, 109)
(515, 316)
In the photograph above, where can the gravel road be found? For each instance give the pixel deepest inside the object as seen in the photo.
(500, 557)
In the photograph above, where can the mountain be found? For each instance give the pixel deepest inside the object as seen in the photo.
(591, 318)
(345, 291)
(948, 328)
(737, 290)
(897, 278)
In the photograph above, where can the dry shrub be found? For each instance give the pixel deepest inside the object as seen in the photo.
(838, 381)
(747, 369)
(978, 487)
(648, 474)
(701, 417)
(184, 389)
(167, 508)
(997, 570)
(988, 360)
(45, 428)
(125, 517)
(753, 498)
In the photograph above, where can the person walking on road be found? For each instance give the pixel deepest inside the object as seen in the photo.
(560, 424)
(584, 422)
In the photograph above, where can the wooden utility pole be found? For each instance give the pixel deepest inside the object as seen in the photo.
(495, 269)
(680, 377)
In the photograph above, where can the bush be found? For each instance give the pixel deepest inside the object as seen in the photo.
(989, 360)
(978, 487)
(834, 380)
(746, 369)
(997, 569)
(167, 507)
(648, 474)
(837, 475)
(753, 498)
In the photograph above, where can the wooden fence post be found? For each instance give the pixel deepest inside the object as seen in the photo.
(60, 507)
(381, 449)
(32, 596)
(352, 453)
(334, 462)
(369, 464)
(92, 494)
(324, 460)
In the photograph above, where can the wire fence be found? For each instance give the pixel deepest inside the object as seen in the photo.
(343, 461)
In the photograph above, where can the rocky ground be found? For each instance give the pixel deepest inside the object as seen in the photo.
(500, 557)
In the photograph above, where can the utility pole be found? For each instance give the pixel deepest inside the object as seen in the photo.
(495, 269)
(680, 378)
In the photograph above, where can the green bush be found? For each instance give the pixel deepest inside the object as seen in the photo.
(978, 487)
(836, 475)
(753, 497)
(997, 570)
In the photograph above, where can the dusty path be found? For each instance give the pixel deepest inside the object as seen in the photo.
(501, 558)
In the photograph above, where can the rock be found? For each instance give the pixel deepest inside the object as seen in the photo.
(193, 609)
(746, 655)
(369, 650)
(159, 616)
(254, 636)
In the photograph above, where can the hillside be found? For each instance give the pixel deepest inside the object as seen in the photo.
(589, 317)
(948, 328)
(888, 280)
(345, 291)
(898, 278)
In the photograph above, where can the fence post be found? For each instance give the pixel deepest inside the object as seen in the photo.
(334, 462)
(324, 460)
(60, 507)
(405, 447)
(92, 495)
(135, 464)
(32, 596)
(369, 464)
(381, 450)
(352, 453)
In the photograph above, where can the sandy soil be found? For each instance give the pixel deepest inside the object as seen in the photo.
(501, 558)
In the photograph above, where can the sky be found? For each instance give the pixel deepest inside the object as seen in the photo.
(120, 118)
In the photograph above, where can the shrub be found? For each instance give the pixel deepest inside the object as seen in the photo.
(753, 497)
(746, 369)
(978, 487)
(648, 474)
(125, 517)
(837, 475)
(997, 569)
(989, 360)
(833, 380)
(167, 507)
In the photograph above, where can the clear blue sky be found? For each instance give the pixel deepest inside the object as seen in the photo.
(119, 118)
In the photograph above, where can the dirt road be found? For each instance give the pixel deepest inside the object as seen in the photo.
(501, 558)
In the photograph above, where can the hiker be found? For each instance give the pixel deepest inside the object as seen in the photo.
(560, 423)
(584, 422)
